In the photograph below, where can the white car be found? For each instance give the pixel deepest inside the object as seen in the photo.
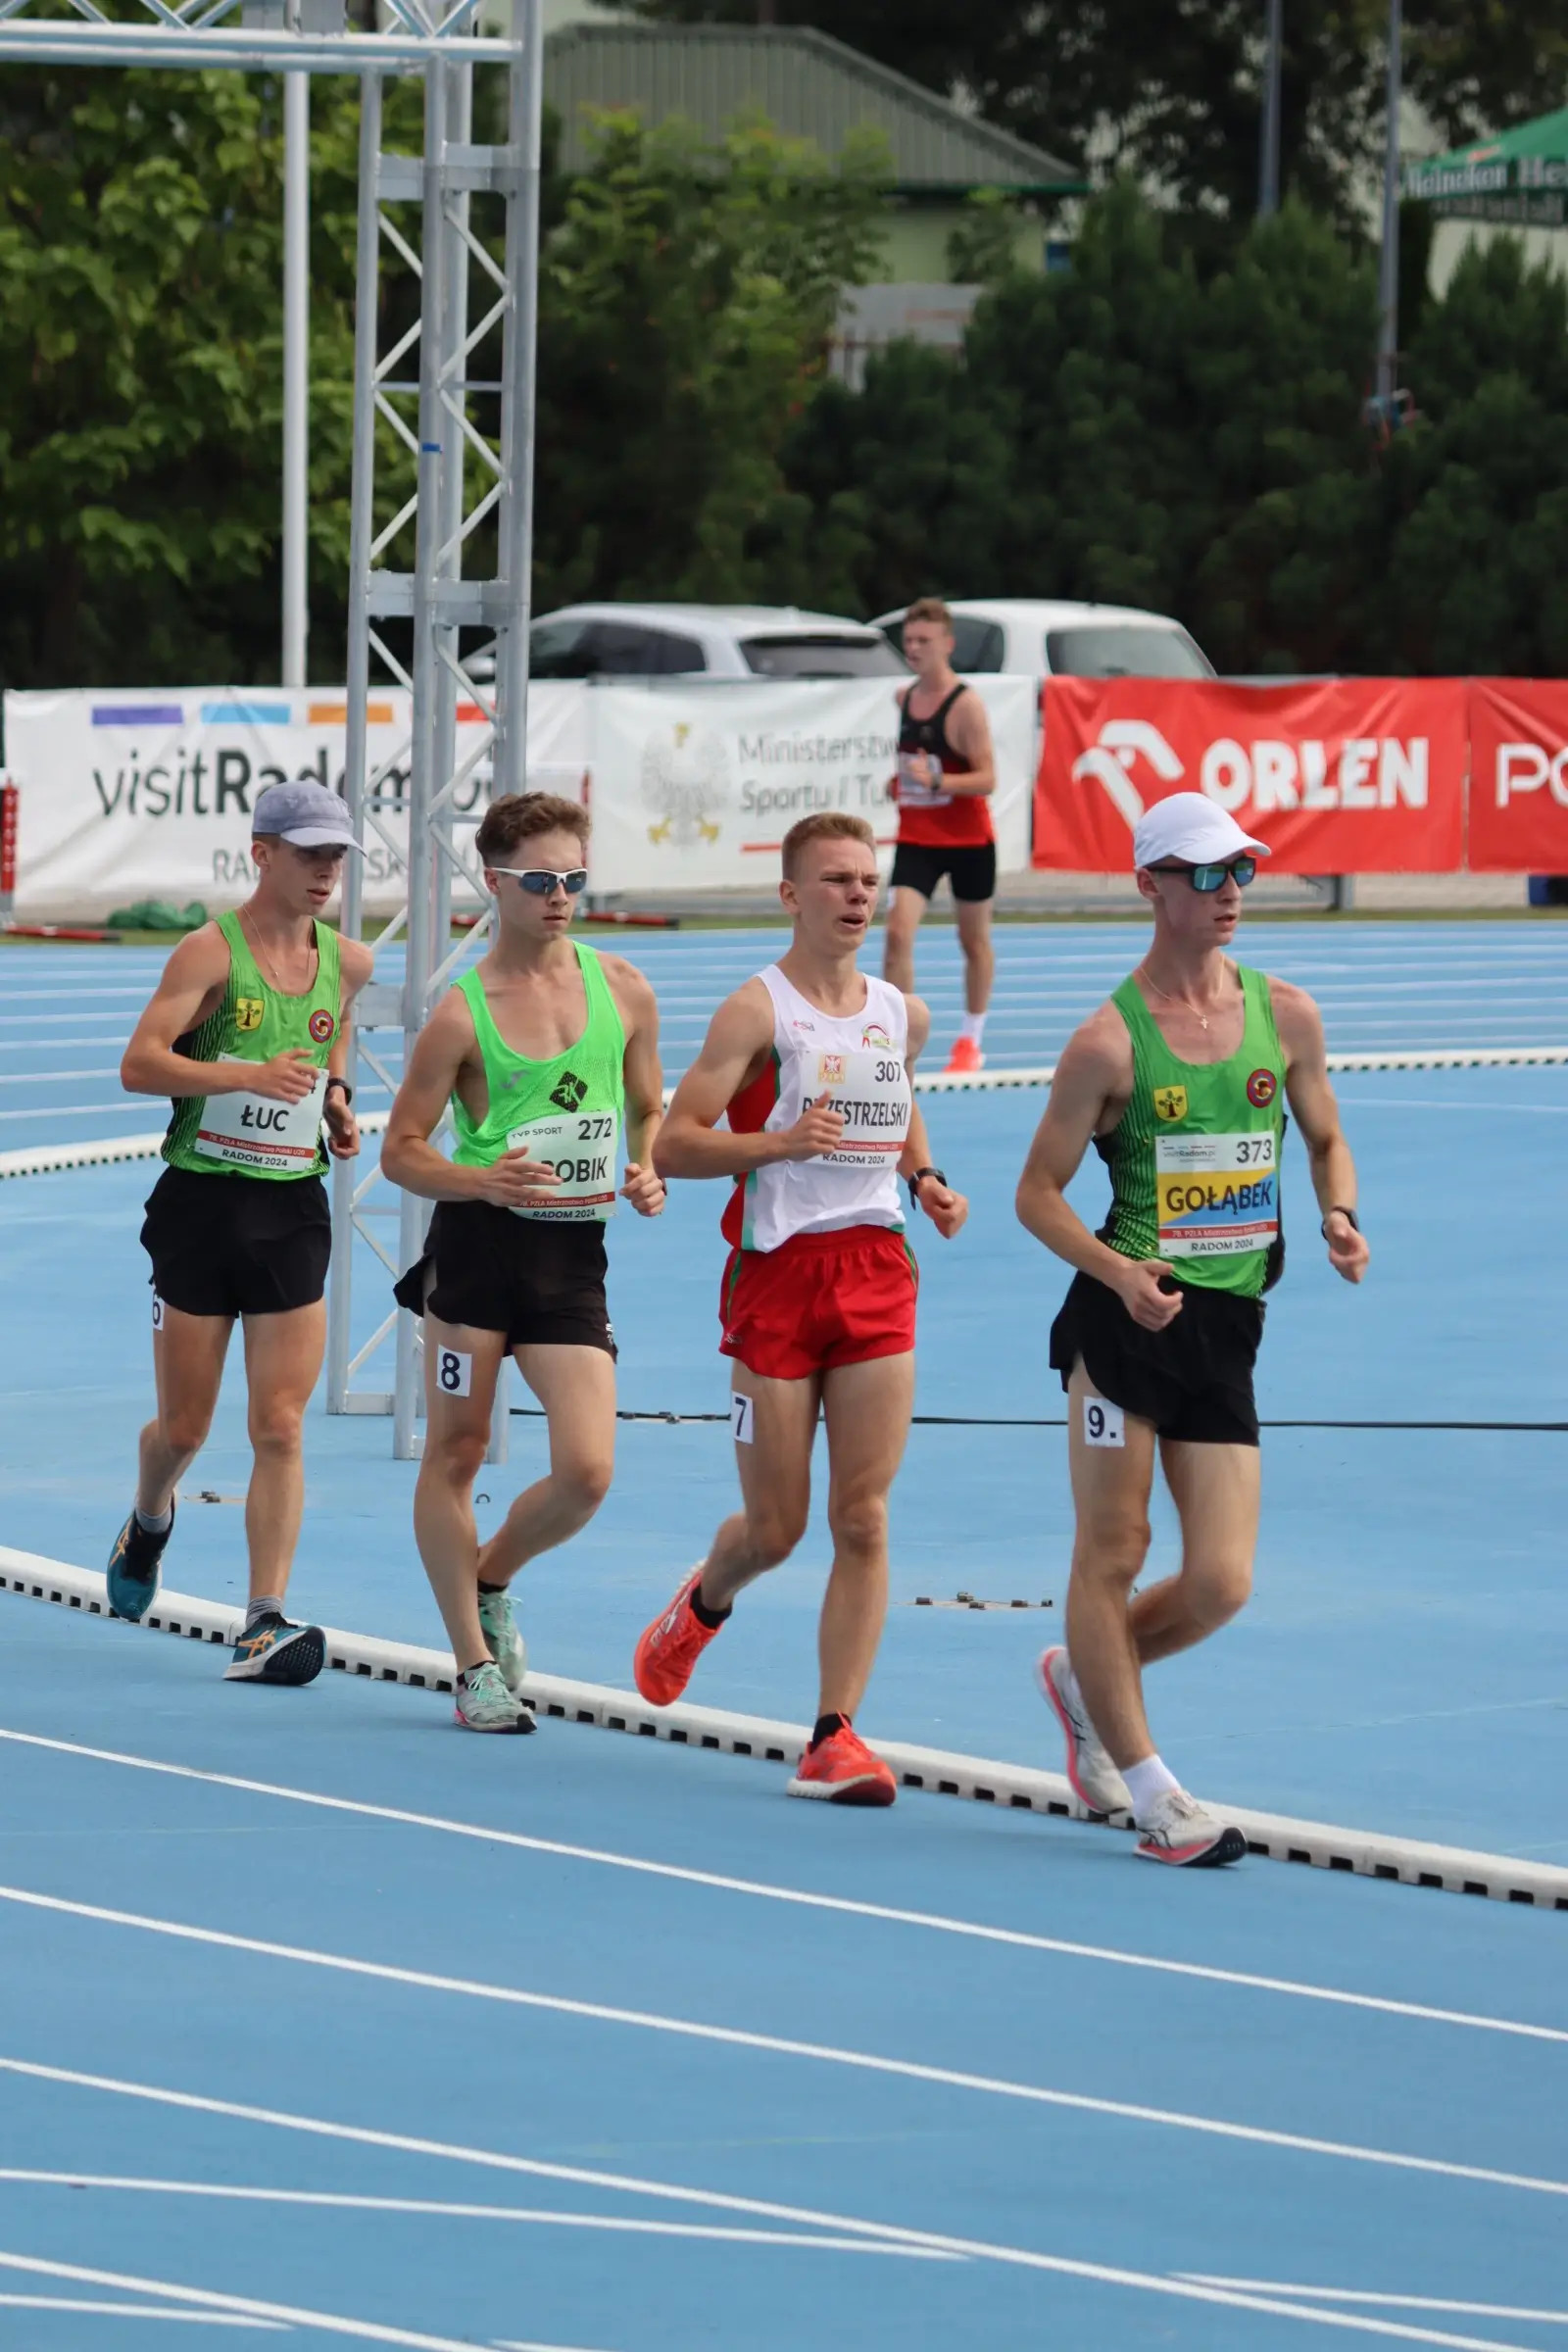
(719, 641)
(1042, 639)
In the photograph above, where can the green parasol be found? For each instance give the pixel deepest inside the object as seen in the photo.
(1519, 178)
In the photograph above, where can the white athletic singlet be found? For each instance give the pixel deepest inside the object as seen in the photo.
(860, 1062)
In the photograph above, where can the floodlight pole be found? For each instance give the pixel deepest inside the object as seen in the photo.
(1268, 177)
(296, 369)
(1389, 266)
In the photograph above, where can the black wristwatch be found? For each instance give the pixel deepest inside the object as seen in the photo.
(1348, 1213)
(347, 1091)
(918, 1178)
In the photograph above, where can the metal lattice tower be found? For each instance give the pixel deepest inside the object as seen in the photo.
(416, 209)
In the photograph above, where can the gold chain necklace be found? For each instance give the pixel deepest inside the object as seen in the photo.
(1185, 1003)
(271, 969)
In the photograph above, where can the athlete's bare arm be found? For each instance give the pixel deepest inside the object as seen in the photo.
(1092, 1088)
(946, 1209)
(735, 1051)
(446, 1048)
(189, 993)
(1311, 1098)
(642, 1186)
(356, 963)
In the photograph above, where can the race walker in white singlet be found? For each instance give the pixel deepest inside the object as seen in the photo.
(859, 1065)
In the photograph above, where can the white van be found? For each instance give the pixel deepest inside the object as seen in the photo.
(1047, 639)
(716, 641)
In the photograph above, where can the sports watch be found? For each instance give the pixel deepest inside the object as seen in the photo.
(347, 1091)
(918, 1178)
(1348, 1214)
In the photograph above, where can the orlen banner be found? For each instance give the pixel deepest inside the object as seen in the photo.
(131, 795)
(1354, 777)
(1518, 776)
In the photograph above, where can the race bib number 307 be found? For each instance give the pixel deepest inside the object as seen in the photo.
(1218, 1195)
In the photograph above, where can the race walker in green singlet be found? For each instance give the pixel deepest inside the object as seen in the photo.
(1180, 1082)
(542, 1054)
(244, 1034)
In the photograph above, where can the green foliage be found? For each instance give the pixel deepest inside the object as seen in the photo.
(140, 268)
(983, 249)
(686, 301)
(1132, 431)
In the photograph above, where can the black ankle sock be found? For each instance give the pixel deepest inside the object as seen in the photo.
(826, 1726)
(484, 1588)
(711, 1618)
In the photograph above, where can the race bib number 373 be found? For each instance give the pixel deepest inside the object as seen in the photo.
(1218, 1195)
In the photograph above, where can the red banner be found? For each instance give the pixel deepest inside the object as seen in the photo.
(1518, 776)
(1360, 776)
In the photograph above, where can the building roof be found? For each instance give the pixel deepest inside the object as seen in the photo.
(807, 83)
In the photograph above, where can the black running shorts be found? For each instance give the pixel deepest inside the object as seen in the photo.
(1193, 1379)
(920, 866)
(541, 1284)
(237, 1245)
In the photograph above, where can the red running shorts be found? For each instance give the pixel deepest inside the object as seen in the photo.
(820, 1300)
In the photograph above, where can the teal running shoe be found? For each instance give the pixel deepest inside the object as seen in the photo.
(273, 1650)
(499, 1626)
(134, 1568)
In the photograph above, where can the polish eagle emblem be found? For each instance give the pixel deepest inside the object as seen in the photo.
(685, 783)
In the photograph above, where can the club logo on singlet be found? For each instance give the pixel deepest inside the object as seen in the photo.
(1170, 1102)
(321, 1024)
(569, 1093)
(249, 1013)
(1261, 1089)
(876, 1038)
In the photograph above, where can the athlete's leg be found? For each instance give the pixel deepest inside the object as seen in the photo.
(282, 1364)
(576, 1386)
(867, 1408)
(457, 1356)
(188, 1352)
(906, 907)
(979, 955)
(1216, 1490)
(773, 1456)
(1110, 1486)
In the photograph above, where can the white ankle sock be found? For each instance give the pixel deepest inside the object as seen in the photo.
(973, 1027)
(1146, 1781)
(155, 1522)
(265, 1604)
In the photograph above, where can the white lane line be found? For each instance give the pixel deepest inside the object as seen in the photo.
(1551, 1110)
(540, 2214)
(785, 2047)
(204, 2298)
(56, 1077)
(1018, 2256)
(1356, 2294)
(937, 1922)
(136, 2311)
(81, 1110)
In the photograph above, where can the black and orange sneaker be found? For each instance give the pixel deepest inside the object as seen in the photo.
(134, 1567)
(272, 1650)
(670, 1648)
(843, 1770)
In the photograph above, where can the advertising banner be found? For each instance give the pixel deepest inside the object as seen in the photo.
(129, 794)
(695, 786)
(1359, 777)
(1518, 776)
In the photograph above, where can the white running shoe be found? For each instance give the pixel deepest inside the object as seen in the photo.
(481, 1702)
(1095, 1782)
(499, 1625)
(1177, 1829)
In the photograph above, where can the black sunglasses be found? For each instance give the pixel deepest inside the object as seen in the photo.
(1210, 878)
(540, 881)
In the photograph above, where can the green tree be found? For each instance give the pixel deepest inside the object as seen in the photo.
(686, 301)
(140, 272)
(1478, 487)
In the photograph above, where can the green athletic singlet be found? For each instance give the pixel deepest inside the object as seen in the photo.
(566, 1110)
(250, 1135)
(1194, 1159)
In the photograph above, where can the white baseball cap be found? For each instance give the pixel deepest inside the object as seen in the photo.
(1191, 826)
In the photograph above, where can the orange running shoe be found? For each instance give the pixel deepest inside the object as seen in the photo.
(670, 1648)
(965, 1059)
(844, 1771)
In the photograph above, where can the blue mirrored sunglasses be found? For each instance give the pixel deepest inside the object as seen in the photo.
(540, 881)
(1210, 878)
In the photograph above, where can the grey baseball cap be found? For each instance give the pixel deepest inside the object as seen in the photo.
(306, 815)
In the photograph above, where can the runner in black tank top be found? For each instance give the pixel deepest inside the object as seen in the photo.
(945, 780)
